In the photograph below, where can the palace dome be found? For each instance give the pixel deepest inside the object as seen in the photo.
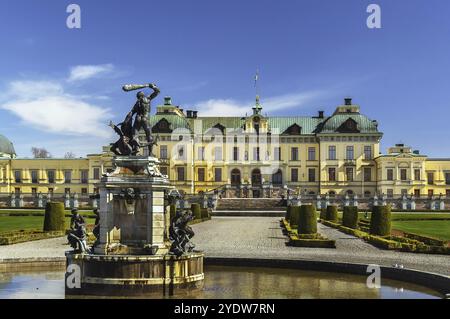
(6, 147)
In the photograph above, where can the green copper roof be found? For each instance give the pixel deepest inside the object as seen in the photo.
(364, 124)
(6, 147)
(308, 124)
(176, 121)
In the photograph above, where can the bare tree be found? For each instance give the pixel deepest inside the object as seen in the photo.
(69, 155)
(40, 152)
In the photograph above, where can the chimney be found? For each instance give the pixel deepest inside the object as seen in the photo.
(189, 113)
(348, 101)
(321, 114)
(167, 100)
(194, 114)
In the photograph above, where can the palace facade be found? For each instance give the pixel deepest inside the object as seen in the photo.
(253, 155)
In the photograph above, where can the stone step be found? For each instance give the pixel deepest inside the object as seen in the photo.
(248, 204)
(249, 213)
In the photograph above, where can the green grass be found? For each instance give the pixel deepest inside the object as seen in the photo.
(439, 229)
(404, 216)
(13, 223)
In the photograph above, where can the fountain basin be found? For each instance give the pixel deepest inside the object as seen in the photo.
(132, 274)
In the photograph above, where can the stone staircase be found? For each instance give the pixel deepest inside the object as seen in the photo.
(250, 207)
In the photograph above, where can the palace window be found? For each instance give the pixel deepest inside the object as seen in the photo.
(390, 193)
(294, 175)
(417, 174)
(84, 176)
(67, 177)
(350, 153)
(256, 154)
(96, 173)
(181, 153)
(201, 153)
(181, 174)
(217, 174)
(235, 153)
(332, 152)
(430, 193)
(332, 174)
(417, 193)
(34, 177)
(18, 176)
(277, 154)
(218, 153)
(430, 178)
(311, 175)
(163, 152)
(349, 174)
(390, 174)
(277, 178)
(66, 190)
(34, 191)
(51, 176)
(201, 174)
(367, 174)
(311, 154)
(403, 174)
(447, 193)
(294, 154)
(84, 191)
(447, 178)
(368, 152)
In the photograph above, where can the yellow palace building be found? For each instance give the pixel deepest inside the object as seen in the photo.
(251, 156)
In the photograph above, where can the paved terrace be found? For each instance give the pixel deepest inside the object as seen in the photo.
(260, 237)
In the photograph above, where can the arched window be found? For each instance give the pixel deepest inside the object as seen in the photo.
(277, 178)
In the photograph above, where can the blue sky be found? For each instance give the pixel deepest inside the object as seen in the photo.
(59, 87)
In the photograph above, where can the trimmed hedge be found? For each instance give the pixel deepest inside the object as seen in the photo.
(350, 217)
(295, 216)
(380, 222)
(54, 219)
(289, 210)
(332, 213)
(196, 211)
(27, 235)
(323, 214)
(204, 213)
(307, 221)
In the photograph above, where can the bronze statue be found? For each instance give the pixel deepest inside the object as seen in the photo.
(128, 144)
(77, 236)
(180, 233)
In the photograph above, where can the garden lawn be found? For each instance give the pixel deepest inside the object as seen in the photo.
(439, 229)
(13, 223)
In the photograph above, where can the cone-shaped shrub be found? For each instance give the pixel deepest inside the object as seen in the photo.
(173, 211)
(295, 214)
(323, 213)
(350, 217)
(289, 210)
(307, 222)
(380, 222)
(205, 213)
(196, 211)
(332, 213)
(54, 217)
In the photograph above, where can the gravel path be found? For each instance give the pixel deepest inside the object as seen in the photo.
(260, 237)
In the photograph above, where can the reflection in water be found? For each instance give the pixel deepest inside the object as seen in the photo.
(234, 282)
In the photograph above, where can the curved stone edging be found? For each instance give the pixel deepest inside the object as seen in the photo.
(433, 281)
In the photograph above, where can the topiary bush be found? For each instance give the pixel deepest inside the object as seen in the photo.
(332, 213)
(204, 213)
(323, 213)
(350, 217)
(307, 222)
(289, 210)
(173, 211)
(196, 211)
(380, 222)
(295, 214)
(54, 219)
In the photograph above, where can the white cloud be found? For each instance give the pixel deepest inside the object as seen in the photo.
(44, 105)
(230, 107)
(84, 72)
